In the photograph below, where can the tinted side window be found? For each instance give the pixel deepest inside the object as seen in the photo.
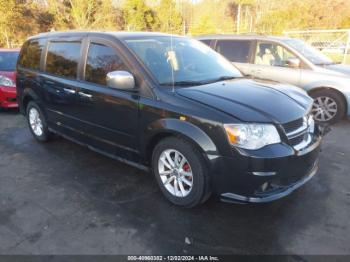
(63, 58)
(235, 51)
(100, 61)
(31, 53)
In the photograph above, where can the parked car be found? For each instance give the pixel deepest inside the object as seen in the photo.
(8, 60)
(174, 106)
(289, 60)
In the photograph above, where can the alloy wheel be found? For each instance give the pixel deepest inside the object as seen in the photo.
(175, 173)
(324, 109)
(35, 121)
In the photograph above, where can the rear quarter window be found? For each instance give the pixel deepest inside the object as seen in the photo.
(31, 54)
(234, 51)
(62, 59)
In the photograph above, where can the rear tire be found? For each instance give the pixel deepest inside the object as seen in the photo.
(329, 107)
(37, 122)
(184, 178)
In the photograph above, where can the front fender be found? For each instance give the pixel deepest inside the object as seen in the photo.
(185, 129)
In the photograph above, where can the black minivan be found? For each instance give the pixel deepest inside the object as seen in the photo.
(172, 105)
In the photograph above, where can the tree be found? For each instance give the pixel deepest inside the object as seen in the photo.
(138, 16)
(84, 14)
(9, 14)
(204, 26)
(170, 20)
(234, 10)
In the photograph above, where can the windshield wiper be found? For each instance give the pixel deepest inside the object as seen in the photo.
(221, 78)
(198, 83)
(183, 83)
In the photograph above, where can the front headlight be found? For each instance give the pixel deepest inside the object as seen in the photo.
(252, 136)
(5, 81)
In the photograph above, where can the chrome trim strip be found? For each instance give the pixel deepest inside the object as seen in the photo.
(264, 173)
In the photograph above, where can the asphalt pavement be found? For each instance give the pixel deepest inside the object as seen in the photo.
(61, 198)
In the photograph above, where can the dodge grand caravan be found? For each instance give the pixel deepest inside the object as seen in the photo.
(289, 60)
(174, 106)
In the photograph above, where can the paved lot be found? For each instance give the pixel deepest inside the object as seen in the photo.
(60, 198)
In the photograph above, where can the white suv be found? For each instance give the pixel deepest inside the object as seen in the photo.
(290, 61)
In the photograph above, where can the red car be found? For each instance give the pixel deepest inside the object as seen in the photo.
(8, 60)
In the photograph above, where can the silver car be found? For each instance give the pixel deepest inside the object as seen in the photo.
(292, 61)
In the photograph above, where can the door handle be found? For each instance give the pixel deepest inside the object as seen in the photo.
(85, 95)
(68, 90)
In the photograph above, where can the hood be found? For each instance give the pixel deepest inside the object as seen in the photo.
(340, 68)
(252, 100)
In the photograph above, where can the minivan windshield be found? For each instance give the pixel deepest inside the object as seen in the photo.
(312, 54)
(182, 61)
(8, 61)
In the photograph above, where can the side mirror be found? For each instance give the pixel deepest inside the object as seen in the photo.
(293, 62)
(120, 80)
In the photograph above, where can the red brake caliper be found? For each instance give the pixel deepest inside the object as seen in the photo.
(187, 168)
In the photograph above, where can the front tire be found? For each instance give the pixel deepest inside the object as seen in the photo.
(181, 172)
(329, 107)
(37, 122)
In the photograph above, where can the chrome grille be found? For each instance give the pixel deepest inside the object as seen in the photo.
(298, 133)
(294, 125)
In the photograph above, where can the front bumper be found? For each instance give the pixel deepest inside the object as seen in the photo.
(265, 175)
(8, 97)
(279, 192)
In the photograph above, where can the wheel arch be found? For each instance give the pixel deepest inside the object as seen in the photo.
(332, 89)
(163, 128)
(28, 95)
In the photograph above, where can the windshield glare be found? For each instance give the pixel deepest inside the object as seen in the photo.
(8, 61)
(312, 54)
(182, 60)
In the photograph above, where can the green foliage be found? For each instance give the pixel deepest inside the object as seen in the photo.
(138, 16)
(205, 25)
(83, 14)
(170, 20)
(8, 12)
(20, 19)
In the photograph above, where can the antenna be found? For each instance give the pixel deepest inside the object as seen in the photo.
(171, 46)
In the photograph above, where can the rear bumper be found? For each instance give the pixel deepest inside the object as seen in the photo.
(265, 175)
(8, 97)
